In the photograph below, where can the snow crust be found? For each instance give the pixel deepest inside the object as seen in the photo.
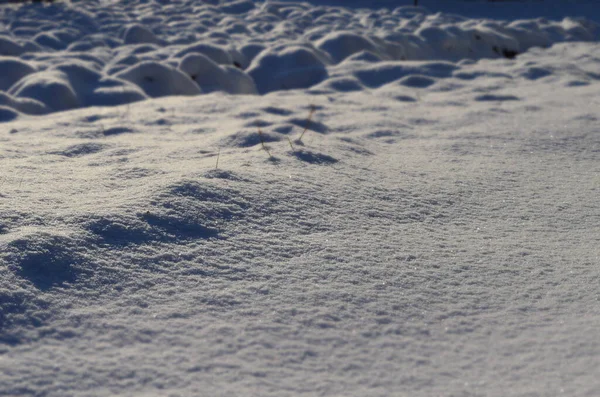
(239, 198)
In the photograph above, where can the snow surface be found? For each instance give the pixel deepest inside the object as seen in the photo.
(240, 198)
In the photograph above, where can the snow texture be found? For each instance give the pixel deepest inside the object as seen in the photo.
(279, 198)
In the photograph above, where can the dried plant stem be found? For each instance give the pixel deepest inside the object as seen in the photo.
(218, 155)
(262, 142)
(308, 120)
(290, 142)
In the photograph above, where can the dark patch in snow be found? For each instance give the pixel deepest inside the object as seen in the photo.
(284, 129)
(93, 118)
(45, 259)
(577, 83)
(417, 81)
(277, 111)
(314, 158)
(491, 97)
(505, 52)
(251, 138)
(119, 230)
(118, 131)
(343, 84)
(7, 114)
(224, 174)
(178, 226)
(258, 123)
(536, 73)
(186, 210)
(476, 74)
(81, 150)
(404, 98)
(389, 134)
(509, 54)
(312, 125)
(192, 210)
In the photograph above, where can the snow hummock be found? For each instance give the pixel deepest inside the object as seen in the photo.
(273, 45)
(282, 198)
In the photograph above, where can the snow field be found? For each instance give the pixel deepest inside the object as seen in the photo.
(164, 231)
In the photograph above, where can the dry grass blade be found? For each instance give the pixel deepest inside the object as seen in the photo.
(308, 120)
(262, 142)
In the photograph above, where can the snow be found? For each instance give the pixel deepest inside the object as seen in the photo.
(242, 198)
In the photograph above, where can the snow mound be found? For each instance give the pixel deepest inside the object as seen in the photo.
(138, 34)
(23, 105)
(94, 89)
(44, 258)
(51, 87)
(56, 39)
(12, 70)
(340, 45)
(157, 79)
(70, 85)
(212, 77)
(214, 52)
(7, 114)
(9, 47)
(288, 68)
(376, 75)
(255, 47)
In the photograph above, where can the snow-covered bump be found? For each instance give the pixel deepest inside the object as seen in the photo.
(92, 88)
(51, 87)
(157, 79)
(216, 53)
(379, 74)
(138, 34)
(50, 40)
(192, 209)
(46, 258)
(416, 81)
(237, 7)
(250, 137)
(579, 30)
(9, 47)
(82, 149)
(118, 229)
(250, 51)
(314, 125)
(364, 56)
(23, 105)
(212, 77)
(90, 42)
(489, 40)
(7, 114)
(12, 70)
(224, 174)
(340, 45)
(119, 130)
(293, 67)
(341, 84)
